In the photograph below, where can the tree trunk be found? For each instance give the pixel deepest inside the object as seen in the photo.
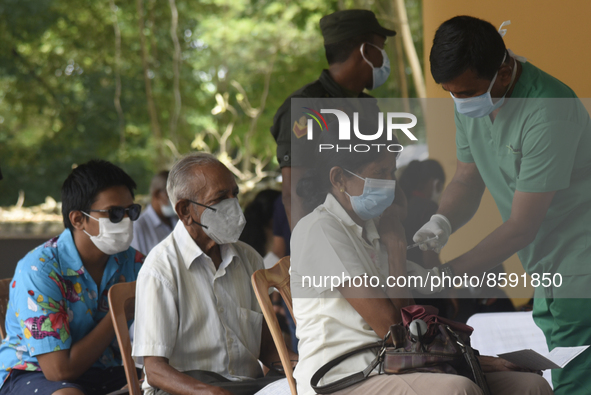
(117, 98)
(176, 60)
(149, 96)
(409, 47)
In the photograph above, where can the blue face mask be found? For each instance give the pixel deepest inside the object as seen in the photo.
(377, 196)
(480, 106)
(380, 74)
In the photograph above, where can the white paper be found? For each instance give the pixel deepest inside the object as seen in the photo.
(563, 355)
(530, 359)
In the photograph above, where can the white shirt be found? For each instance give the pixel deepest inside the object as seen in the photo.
(198, 317)
(149, 230)
(327, 242)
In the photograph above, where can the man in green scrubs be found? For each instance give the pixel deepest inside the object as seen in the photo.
(533, 152)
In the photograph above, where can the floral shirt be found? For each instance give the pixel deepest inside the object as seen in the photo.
(54, 302)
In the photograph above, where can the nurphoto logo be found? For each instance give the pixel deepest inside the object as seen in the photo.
(392, 123)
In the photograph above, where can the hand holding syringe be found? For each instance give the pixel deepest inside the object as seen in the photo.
(421, 242)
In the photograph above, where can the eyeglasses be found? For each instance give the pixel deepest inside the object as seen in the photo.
(117, 213)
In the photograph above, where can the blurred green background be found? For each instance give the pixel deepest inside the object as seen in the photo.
(142, 82)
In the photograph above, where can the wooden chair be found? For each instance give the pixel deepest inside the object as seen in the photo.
(118, 295)
(4, 291)
(278, 277)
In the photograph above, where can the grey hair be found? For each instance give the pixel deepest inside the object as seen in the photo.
(179, 185)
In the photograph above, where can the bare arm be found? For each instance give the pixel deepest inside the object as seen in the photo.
(527, 213)
(163, 376)
(293, 204)
(269, 353)
(461, 198)
(381, 310)
(72, 363)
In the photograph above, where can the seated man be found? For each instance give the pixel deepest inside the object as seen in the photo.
(199, 326)
(158, 220)
(60, 338)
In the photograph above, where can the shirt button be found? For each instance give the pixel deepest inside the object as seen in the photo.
(230, 340)
(221, 310)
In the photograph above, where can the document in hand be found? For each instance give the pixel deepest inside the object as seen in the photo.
(558, 358)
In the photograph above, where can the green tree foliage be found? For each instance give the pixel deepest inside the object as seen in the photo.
(239, 60)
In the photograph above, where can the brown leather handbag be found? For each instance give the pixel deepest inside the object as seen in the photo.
(423, 342)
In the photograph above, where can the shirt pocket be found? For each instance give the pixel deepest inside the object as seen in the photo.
(251, 324)
(509, 158)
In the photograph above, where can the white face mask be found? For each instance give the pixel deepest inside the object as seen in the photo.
(223, 222)
(380, 74)
(167, 210)
(112, 238)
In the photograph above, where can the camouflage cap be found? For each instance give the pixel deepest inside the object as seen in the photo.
(342, 25)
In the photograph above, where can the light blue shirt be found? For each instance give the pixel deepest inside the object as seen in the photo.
(149, 230)
(54, 302)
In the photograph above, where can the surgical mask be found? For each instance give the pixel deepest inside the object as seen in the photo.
(377, 196)
(167, 210)
(480, 106)
(112, 238)
(223, 222)
(380, 74)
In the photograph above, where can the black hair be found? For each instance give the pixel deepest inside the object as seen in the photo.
(315, 184)
(340, 51)
(417, 173)
(258, 215)
(466, 43)
(86, 181)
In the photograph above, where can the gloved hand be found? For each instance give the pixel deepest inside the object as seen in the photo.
(426, 286)
(439, 227)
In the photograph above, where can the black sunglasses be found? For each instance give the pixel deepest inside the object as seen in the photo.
(116, 213)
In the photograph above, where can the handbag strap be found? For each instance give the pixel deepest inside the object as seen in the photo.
(472, 361)
(349, 380)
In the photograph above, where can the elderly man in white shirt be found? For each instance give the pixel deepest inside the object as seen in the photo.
(158, 220)
(198, 325)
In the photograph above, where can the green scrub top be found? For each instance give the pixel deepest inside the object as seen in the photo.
(540, 141)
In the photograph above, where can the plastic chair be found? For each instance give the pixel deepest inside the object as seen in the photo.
(118, 295)
(4, 292)
(278, 277)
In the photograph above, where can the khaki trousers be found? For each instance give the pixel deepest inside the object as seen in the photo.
(500, 383)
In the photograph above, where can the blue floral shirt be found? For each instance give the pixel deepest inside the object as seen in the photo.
(54, 302)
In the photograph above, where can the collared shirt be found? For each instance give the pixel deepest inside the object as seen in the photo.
(327, 242)
(54, 302)
(198, 317)
(149, 230)
(283, 125)
(539, 142)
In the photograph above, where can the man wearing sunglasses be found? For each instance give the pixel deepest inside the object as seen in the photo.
(60, 336)
(199, 326)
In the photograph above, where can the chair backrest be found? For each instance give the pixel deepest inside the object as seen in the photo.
(118, 295)
(4, 291)
(278, 277)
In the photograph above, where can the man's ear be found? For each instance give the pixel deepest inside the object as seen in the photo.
(337, 178)
(506, 72)
(77, 219)
(183, 210)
